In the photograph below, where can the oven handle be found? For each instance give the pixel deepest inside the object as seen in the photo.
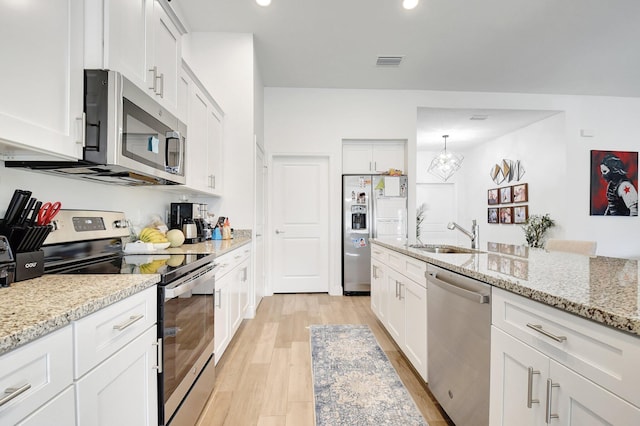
(190, 281)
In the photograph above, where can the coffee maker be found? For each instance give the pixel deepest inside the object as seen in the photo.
(182, 214)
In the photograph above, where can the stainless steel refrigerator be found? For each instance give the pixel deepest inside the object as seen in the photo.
(373, 206)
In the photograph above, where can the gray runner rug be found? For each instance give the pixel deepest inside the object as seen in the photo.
(354, 382)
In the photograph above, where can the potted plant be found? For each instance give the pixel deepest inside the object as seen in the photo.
(535, 229)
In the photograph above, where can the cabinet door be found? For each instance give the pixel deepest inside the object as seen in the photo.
(42, 76)
(245, 284)
(513, 385)
(395, 306)
(222, 328)
(356, 158)
(61, 410)
(378, 290)
(579, 402)
(166, 58)
(214, 151)
(123, 390)
(415, 310)
(388, 155)
(196, 141)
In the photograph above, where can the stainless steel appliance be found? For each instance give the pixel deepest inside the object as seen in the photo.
(190, 218)
(90, 242)
(129, 138)
(373, 206)
(459, 345)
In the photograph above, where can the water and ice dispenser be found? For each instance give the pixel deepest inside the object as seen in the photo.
(358, 217)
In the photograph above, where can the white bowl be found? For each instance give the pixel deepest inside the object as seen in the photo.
(161, 246)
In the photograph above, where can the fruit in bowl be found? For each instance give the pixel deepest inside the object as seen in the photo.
(152, 235)
(175, 237)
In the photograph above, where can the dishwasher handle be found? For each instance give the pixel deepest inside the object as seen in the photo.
(463, 292)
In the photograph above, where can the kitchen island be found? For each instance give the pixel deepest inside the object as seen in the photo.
(602, 289)
(33, 308)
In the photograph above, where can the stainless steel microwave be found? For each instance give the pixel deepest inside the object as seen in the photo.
(130, 139)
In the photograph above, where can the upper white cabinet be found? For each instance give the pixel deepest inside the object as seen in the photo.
(137, 38)
(41, 105)
(372, 157)
(204, 136)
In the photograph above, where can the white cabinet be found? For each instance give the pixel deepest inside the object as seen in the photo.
(137, 38)
(547, 363)
(372, 157)
(41, 107)
(204, 137)
(59, 411)
(34, 374)
(116, 353)
(399, 299)
(233, 285)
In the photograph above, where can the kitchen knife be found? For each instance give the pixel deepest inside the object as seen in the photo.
(25, 213)
(34, 215)
(16, 205)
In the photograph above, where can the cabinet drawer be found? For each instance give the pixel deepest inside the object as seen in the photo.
(45, 365)
(102, 333)
(230, 260)
(379, 253)
(411, 268)
(606, 356)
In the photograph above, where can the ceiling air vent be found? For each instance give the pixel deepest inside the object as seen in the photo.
(389, 61)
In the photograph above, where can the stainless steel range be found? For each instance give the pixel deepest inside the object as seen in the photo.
(91, 242)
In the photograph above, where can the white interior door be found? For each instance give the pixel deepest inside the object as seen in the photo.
(440, 209)
(300, 213)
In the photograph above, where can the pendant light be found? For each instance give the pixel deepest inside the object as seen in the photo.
(446, 163)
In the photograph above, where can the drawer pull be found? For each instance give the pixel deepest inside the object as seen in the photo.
(530, 400)
(13, 392)
(548, 415)
(218, 304)
(539, 329)
(128, 322)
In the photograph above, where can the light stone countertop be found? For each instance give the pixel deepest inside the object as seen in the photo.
(33, 308)
(602, 289)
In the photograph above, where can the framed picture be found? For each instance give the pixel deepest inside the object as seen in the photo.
(506, 214)
(492, 215)
(492, 196)
(520, 193)
(613, 173)
(506, 195)
(520, 214)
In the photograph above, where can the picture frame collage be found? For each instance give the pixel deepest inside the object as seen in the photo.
(501, 201)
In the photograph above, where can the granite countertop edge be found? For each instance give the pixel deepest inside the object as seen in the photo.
(22, 322)
(592, 312)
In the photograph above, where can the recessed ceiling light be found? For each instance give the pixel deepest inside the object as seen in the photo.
(263, 2)
(409, 4)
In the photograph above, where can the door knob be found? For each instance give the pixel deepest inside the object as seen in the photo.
(279, 231)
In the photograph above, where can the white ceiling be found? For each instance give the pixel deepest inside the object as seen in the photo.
(580, 47)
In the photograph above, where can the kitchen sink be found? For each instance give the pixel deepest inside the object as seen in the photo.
(436, 248)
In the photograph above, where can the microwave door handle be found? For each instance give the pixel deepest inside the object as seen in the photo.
(172, 134)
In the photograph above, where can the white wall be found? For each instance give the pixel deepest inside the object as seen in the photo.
(225, 64)
(316, 120)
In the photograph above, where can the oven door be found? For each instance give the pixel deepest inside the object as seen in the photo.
(185, 324)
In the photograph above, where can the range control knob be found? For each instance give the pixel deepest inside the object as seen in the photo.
(120, 224)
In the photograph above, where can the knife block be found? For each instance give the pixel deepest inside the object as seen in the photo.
(29, 264)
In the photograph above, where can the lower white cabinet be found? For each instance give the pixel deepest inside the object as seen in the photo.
(59, 411)
(529, 388)
(233, 285)
(400, 302)
(550, 367)
(124, 388)
(34, 374)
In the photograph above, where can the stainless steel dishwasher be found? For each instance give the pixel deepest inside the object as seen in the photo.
(458, 342)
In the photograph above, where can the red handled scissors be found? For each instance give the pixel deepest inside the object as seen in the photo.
(47, 212)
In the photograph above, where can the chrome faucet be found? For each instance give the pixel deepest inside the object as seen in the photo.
(474, 235)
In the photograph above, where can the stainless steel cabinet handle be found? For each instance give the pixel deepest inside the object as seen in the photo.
(11, 393)
(548, 415)
(539, 329)
(154, 79)
(396, 288)
(128, 322)
(375, 272)
(467, 294)
(400, 285)
(161, 78)
(158, 344)
(369, 165)
(375, 166)
(279, 231)
(530, 400)
(81, 133)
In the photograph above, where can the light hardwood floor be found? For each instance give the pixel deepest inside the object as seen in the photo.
(264, 376)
